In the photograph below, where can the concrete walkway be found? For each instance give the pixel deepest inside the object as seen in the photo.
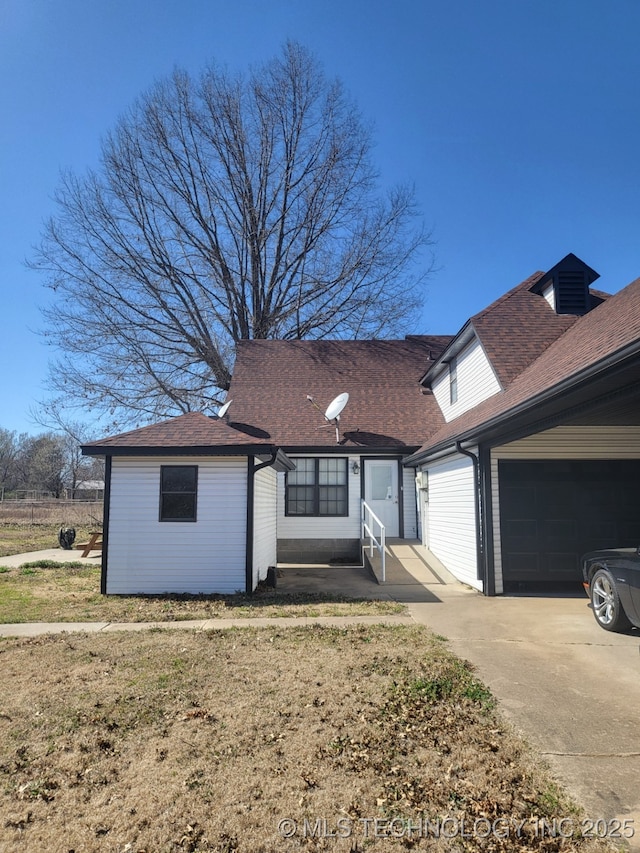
(59, 555)
(572, 689)
(35, 629)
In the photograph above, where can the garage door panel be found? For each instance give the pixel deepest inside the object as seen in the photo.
(559, 565)
(521, 528)
(552, 512)
(520, 565)
(559, 528)
(558, 501)
(521, 499)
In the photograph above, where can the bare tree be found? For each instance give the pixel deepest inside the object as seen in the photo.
(11, 445)
(43, 463)
(225, 208)
(71, 435)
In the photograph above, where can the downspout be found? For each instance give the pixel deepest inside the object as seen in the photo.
(252, 470)
(248, 577)
(478, 509)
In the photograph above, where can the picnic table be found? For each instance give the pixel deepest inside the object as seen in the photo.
(94, 543)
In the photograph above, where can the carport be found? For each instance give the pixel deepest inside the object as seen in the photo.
(563, 491)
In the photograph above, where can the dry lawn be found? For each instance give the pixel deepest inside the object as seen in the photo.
(70, 592)
(181, 741)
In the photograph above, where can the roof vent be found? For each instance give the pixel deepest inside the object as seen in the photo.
(570, 280)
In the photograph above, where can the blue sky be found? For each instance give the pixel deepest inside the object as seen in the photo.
(518, 122)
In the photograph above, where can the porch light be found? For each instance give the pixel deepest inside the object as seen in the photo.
(355, 467)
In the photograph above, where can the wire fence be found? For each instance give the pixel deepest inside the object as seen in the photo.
(62, 512)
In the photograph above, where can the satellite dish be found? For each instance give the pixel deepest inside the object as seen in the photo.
(222, 411)
(336, 406)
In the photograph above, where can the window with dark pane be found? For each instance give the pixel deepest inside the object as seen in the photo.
(317, 487)
(178, 492)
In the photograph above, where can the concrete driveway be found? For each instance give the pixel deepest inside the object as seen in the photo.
(572, 689)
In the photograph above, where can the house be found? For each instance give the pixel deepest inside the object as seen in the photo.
(507, 449)
(388, 416)
(189, 507)
(539, 458)
(86, 490)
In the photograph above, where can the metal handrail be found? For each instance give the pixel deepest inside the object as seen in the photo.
(366, 529)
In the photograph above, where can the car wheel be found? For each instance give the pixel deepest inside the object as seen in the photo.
(605, 602)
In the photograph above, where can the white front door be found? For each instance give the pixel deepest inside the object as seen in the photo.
(381, 492)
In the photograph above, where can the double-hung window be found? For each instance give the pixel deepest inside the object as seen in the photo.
(318, 487)
(178, 492)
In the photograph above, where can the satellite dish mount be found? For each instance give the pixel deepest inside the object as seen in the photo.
(333, 411)
(222, 411)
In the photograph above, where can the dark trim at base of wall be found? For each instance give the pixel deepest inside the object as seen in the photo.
(318, 550)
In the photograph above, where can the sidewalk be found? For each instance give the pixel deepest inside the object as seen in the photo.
(57, 554)
(35, 629)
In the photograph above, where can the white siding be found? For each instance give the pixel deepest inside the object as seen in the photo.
(451, 518)
(409, 498)
(265, 542)
(476, 382)
(563, 442)
(149, 556)
(549, 294)
(332, 527)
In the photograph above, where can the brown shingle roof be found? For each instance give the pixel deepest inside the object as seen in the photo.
(387, 407)
(608, 329)
(516, 328)
(193, 430)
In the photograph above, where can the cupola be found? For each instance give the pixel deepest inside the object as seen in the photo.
(566, 286)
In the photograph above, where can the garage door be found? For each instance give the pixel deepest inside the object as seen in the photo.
(552, 512)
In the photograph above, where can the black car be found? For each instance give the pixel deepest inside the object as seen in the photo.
(612, 582)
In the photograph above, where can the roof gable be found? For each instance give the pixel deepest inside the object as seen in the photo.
(597, 338)
(520, 325)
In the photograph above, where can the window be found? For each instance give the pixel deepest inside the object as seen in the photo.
(453, 380)
(178, 492)
(318, 487)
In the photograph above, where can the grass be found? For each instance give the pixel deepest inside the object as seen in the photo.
(70, 592)
(235, 740)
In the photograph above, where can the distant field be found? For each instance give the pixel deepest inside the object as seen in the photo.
(52, 512)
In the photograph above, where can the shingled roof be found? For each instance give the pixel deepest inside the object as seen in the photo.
(387, 407)
(192, 432)
(517, 328)
(608, 332)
